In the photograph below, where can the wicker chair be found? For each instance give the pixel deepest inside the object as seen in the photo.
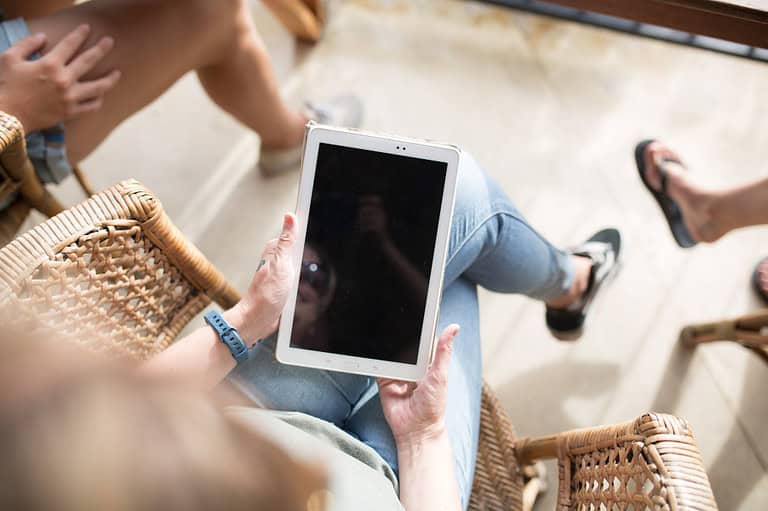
(111, 271)
(18, 179)
(751, 331)
(649, 463)
(115, 272)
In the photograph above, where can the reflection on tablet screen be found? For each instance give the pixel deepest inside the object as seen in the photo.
(368, 254)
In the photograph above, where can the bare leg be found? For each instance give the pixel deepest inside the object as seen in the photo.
(231, 83)
(742, 206)
(158, 41)
(709, 214)
(33, 8)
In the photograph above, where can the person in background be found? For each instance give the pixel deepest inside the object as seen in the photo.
(73, 73)
(697, 214)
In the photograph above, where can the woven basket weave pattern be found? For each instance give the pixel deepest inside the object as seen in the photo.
(112, 283)
(648, 464)
(614, 478)
(112, 272)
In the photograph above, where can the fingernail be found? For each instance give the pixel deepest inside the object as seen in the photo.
(287, 221)
(456, 329)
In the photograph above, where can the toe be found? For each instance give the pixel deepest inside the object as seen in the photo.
(656, 153)
(763, 273)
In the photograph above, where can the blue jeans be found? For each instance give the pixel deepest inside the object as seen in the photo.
(492, 246)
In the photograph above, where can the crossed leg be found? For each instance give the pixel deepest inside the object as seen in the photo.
(491, 245)
(156, 43)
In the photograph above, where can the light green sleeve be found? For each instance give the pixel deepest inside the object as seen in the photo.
(359, 477)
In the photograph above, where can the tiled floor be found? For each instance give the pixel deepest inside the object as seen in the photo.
(552, 110)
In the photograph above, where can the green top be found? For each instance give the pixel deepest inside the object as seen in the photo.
(358, 477)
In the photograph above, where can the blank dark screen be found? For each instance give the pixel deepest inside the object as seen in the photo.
(368, 255)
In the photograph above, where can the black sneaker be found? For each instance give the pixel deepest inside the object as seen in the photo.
(603, 249)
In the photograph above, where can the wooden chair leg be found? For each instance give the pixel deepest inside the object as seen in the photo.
(84, 182)
(302, 18)
(751, 331)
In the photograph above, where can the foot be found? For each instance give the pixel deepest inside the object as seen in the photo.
(696, 204)
(595, 261)
(760, 279)
(582, 270)
(342, 111)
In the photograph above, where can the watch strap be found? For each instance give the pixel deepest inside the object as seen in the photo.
(228, 335)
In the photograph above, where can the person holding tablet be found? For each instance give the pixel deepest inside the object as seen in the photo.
(419, 439)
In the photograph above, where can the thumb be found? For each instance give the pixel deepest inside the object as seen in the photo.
(27, 46)
(442, 360)
(288, 235)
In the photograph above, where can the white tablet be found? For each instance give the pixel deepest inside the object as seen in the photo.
(374, 221)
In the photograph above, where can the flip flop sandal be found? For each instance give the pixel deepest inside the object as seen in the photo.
(669, 207)
(757, 283)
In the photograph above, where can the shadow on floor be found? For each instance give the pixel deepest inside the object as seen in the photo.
(535, 399)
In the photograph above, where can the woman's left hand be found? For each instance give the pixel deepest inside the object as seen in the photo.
(416, 411)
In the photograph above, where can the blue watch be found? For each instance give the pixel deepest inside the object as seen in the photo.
(228, 335)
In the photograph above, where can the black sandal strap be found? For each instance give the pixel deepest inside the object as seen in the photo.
(663, 176)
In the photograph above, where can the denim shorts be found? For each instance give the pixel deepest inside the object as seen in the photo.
(46, 148)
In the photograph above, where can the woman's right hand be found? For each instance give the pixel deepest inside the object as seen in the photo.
(258, 312)
(415, 412)
(43, 92)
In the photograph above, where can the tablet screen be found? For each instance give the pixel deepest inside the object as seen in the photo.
(366, 265)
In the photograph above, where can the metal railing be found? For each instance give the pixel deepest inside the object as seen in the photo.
(637, 28)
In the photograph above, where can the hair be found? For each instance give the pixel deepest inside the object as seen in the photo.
(77, 432)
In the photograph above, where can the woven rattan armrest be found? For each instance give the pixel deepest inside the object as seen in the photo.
(750, 330)
(18, 169)
(649, 463)
(112, 271)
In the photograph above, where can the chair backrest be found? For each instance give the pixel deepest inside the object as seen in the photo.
(17, 175)
(498, 482)
(649, 463)
(112, 271)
